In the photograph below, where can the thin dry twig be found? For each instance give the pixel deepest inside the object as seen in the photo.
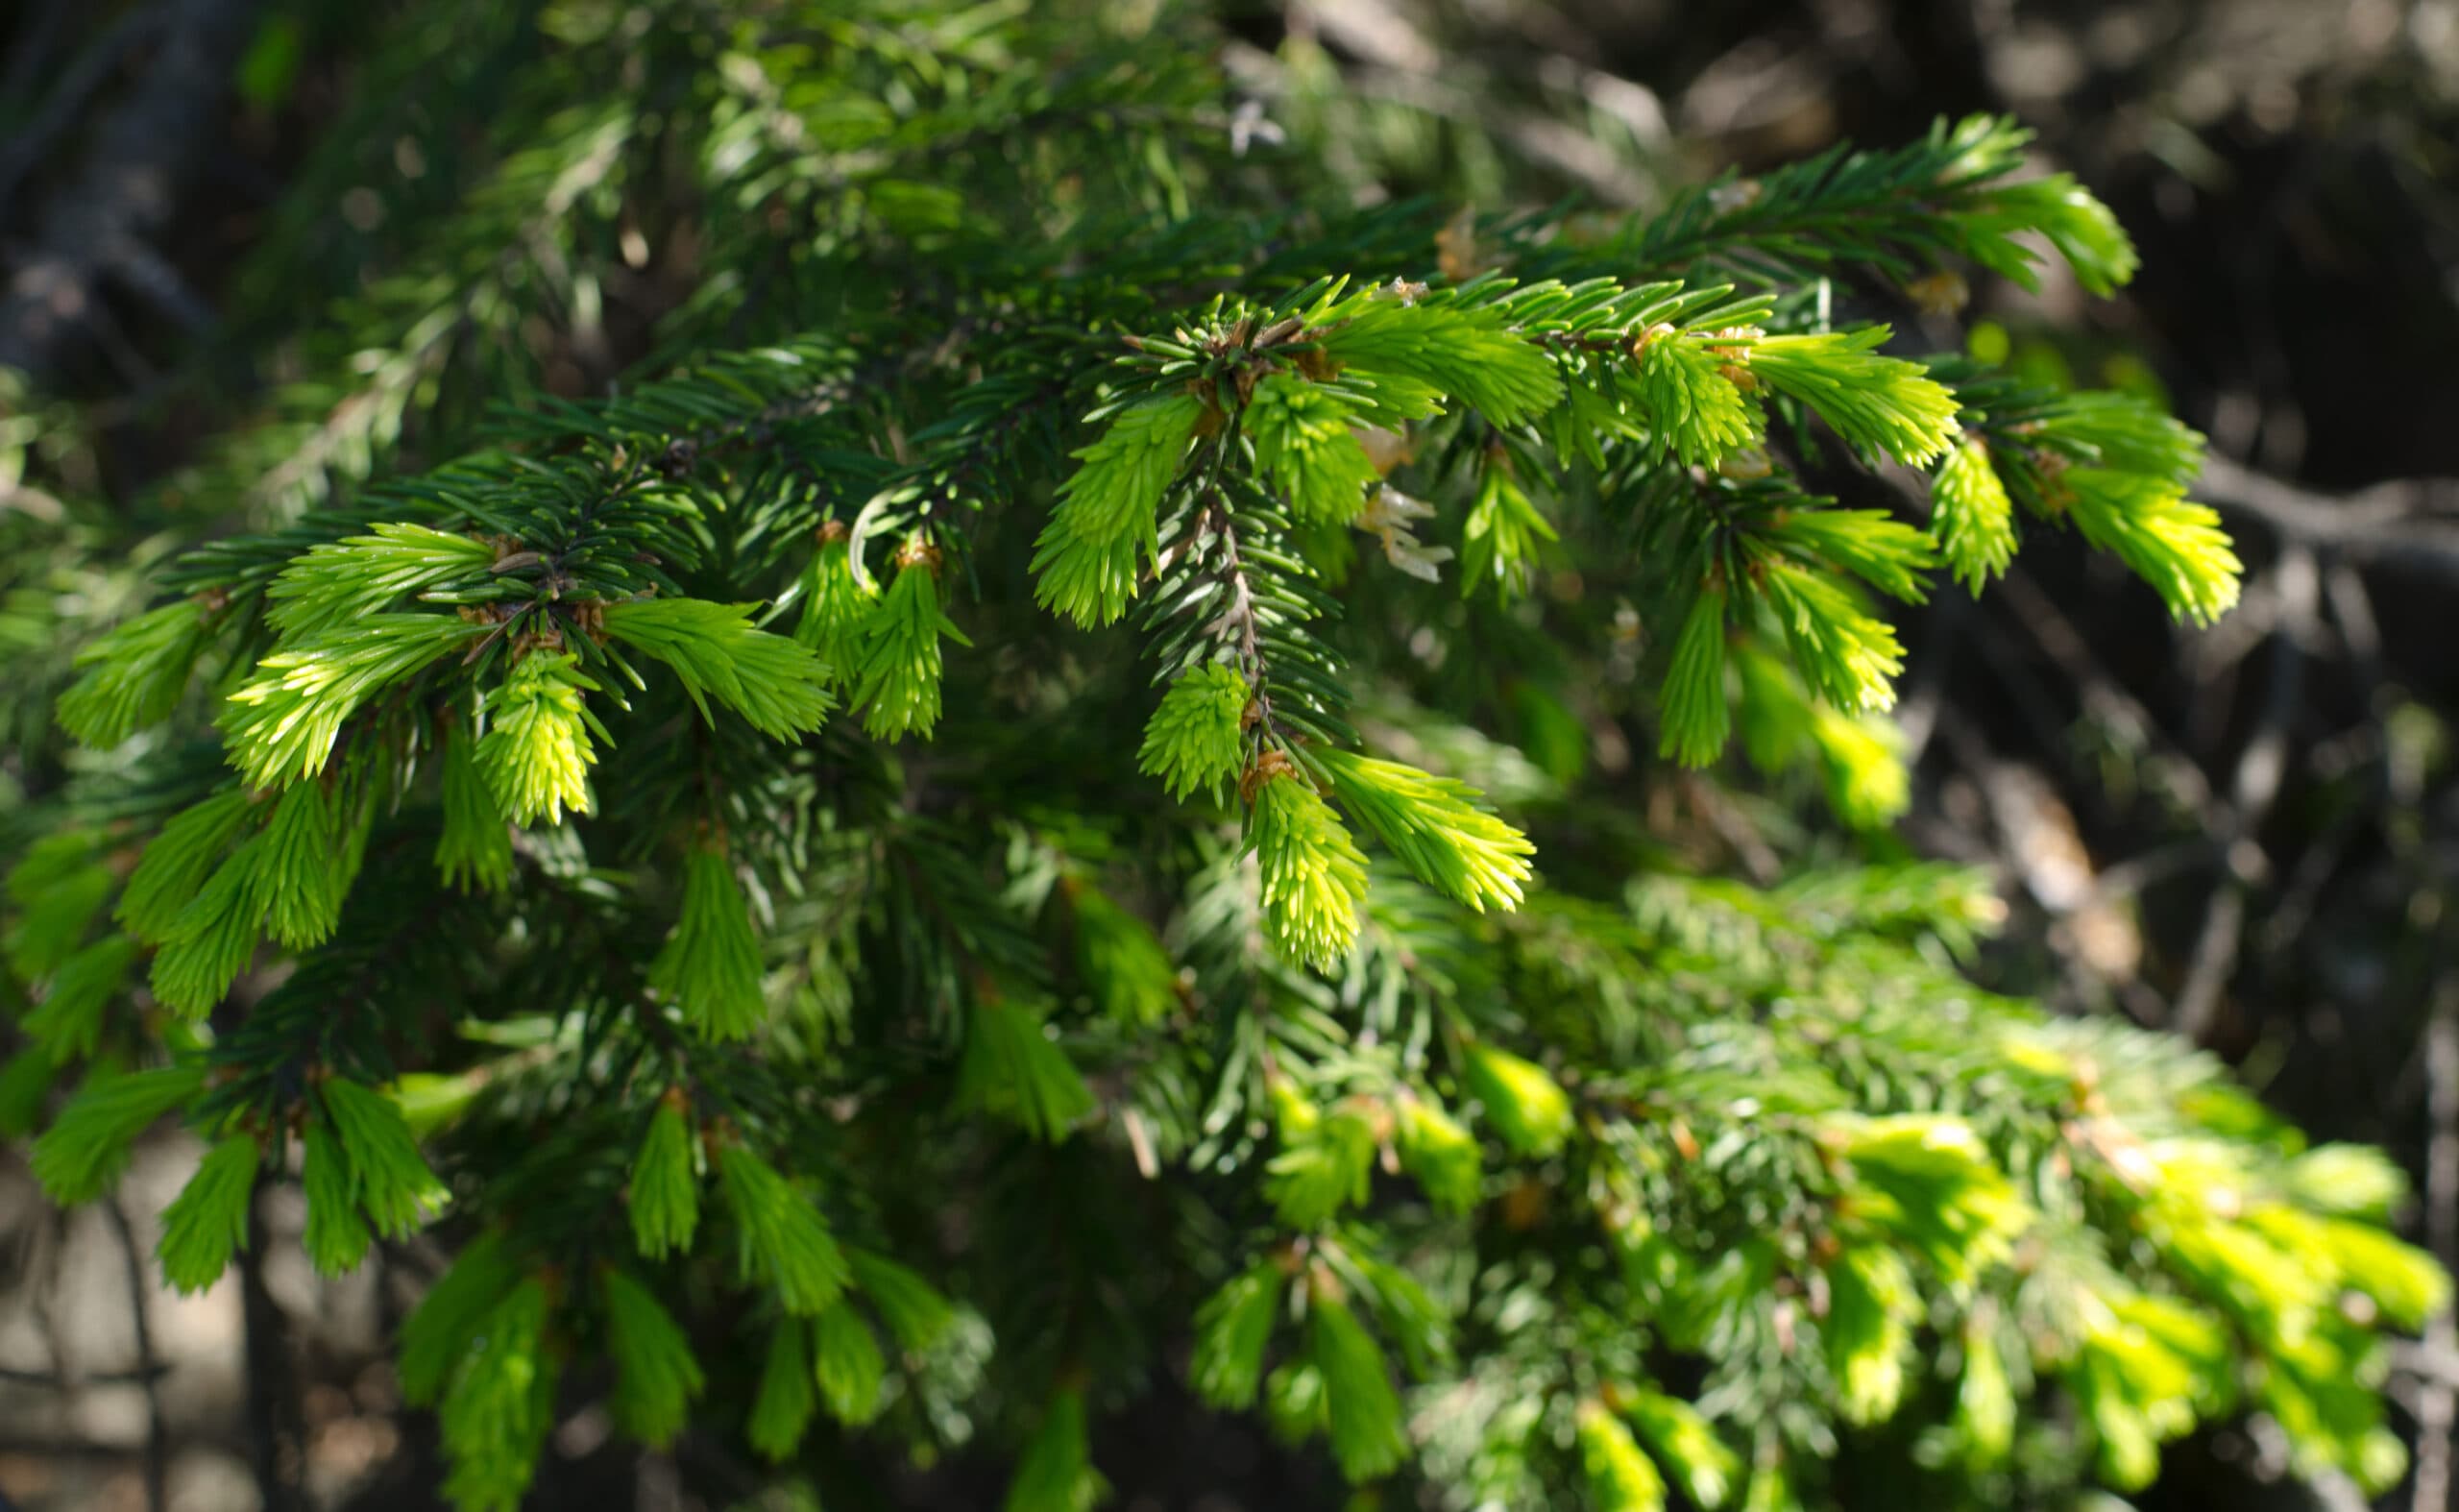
(2405, 525)
(149, 1370)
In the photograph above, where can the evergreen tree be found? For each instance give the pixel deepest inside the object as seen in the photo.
(1093, 770)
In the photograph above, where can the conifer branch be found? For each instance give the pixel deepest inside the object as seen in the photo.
(585, 912)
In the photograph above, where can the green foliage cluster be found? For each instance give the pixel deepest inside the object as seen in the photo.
(777, 862)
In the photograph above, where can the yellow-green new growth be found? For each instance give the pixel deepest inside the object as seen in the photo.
(1314, 878)
(1850, 658)
(135, 674)
(282, 723)
(68, 1021)
(1500, 539)
(1871, 1306)
(775, 683)
(917, 1317)
(177, 862)
(436, 1334)
(1692, 706)
(1860, 757)
(1472, 355)
(1995, 227)
(709, 968)
(1196, 738)
(1871, 543)
(1984, 1415)
(2175, 546)
(1013, 1068)
(536, 753)
(299, 883)
(53, 893)
(847, 1362)
(337, 1237)
(789, 1393)
(1120, 960)
(1231, 1330)
(331, 585)
(2123, 433)
(780, 1237)
(1971, 518)
(1440, 1151)
(84, 1152)
(836, 607)
(500, 1402)
(1528, 1109)
(1692, 407)
(655, 1375)
(1055, 1471)
(2147, 1367)
(1440, 829)
(1325, 1165)
(1306, 444)
(1362, 1410)
(208, 1220)
(395, 1187)
(665, 1190)
(1928, 1184)
(212, 941)
(1686, 1445)
(1108, 518)
(1621, 1476)
(900, 686)
(1881, 403)
(1861, 766)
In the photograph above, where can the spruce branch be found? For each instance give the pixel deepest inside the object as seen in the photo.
(916, 1315)
(283, 721)
(656, 1375)
(1442, 830)
(789, 1394)
(780, 1237)
(1971, 518)
(1196, 738)
(1107, 522)
(1664, 1116)
(710, 968)
(208, 1222)
(337, 1237)
(537, 750)
(1314, 878)
(1232, 1330)
(664, 1193)
(82, 1154)
(136, 674)
(899, 690)
(775, 683)
(851, 1370)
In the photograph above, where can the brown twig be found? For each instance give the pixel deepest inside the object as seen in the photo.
(149, 1370)
(275, 1441)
